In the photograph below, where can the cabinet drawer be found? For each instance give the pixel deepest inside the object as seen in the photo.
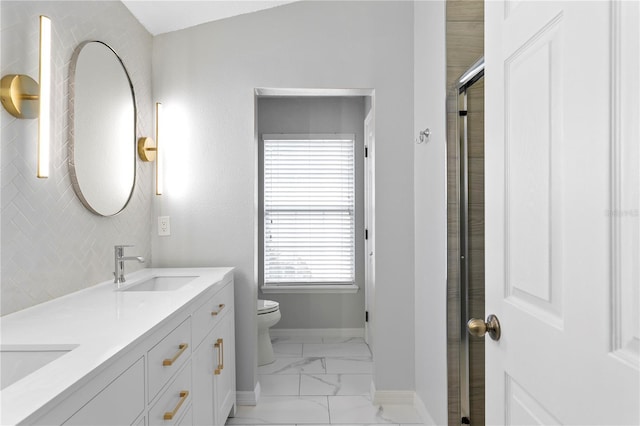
(120, 403)
(168, 356)
(209, 314)
(174, 402)
(187, 420)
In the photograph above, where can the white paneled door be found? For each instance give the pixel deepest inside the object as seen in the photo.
(562, 211)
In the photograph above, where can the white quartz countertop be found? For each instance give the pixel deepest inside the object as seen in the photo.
(101, 321)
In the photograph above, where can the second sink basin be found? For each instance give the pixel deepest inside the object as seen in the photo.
(160, 283)
(18, 361)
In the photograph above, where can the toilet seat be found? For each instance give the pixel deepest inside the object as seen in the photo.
(267, 306)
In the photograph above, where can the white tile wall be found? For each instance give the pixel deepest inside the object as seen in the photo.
(51, 245)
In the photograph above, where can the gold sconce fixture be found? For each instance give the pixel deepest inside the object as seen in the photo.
(23, 97)
(148, 150)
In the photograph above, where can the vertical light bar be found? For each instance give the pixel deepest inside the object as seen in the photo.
(44, 108)
(159, 159)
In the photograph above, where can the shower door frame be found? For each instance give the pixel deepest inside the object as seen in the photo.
(458, 97)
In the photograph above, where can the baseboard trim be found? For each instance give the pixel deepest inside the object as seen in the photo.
(248, 397)
(393, 398)
(390, 397)
(316, 332)
(424, 414)
(402, 398)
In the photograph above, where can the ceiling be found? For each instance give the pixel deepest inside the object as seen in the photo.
(163, 16)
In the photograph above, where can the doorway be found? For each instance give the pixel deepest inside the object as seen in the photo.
(323, 307)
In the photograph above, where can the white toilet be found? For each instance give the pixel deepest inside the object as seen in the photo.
(268, 316)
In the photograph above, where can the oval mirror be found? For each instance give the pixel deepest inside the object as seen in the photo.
(102, 143)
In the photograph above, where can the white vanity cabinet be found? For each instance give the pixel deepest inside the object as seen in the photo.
(167, 357)
(214, 392)
(155, 389)
(174, 402)
(180, 372)
(225, 395)
(120, 402)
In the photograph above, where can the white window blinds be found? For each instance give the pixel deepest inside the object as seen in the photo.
(309, 209)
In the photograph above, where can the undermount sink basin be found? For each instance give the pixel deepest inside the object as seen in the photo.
(162, 283)
(18, 361)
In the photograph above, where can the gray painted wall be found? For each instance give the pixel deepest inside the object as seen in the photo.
(319, 115)
(206, 77)
(430, 210)
(51, 245)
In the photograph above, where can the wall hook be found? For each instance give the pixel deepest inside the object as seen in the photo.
(424, 135)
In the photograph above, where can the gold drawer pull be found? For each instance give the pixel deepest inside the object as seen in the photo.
(221, 354)
(183, 397)
(221, 306)
(220, 346)
(167, 362)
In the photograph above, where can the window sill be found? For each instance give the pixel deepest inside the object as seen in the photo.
(324, 289)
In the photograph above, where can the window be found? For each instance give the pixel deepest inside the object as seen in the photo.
(309, 209)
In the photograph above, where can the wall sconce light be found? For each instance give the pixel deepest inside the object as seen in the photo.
(23, 97)
(148, 150)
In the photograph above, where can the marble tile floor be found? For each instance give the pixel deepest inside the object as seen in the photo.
(319, 381)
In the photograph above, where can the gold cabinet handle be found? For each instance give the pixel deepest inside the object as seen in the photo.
(221, 306)
(221, 354)
(183, 397)
(183, 347)
(219, 345)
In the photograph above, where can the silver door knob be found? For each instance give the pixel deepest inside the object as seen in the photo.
(479, 328)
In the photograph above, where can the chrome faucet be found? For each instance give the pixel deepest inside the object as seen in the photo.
(119, 259)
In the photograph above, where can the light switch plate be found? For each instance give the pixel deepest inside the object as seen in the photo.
(164, 226)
